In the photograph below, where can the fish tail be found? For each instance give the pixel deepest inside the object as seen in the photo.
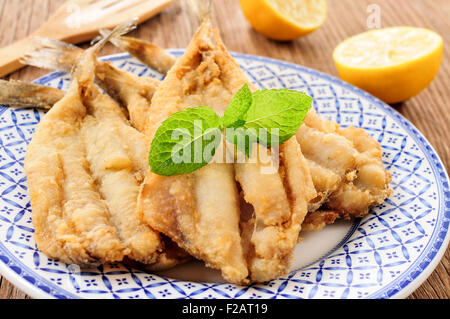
(23, 94)
(52, 54)
(148, 53)
(106, 35)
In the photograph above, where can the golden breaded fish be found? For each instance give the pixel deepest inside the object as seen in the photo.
(333, 168)
(318, 219)
(330, 163)
(84, 167)
(280, 203)
(200, 211)
(329, 177)
(347, 169)
(370, 186)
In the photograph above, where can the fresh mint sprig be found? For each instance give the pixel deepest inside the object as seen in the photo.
(275, 115)
(188, 139)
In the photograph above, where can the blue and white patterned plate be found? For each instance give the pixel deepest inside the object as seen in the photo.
(387, 254)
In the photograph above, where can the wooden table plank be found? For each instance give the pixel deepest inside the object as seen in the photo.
(174, 27)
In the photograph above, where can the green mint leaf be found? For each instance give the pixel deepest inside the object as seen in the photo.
(185, 142)
(276, 115)
(237, 109)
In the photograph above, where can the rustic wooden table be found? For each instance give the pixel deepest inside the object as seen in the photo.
(173, 28)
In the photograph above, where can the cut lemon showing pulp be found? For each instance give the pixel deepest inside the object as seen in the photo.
(285, 19)
(394, 64)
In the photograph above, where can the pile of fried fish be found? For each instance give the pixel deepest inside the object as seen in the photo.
(94, 199)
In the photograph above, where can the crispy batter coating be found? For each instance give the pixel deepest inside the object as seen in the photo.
(370, 186)
(199, 211)
(333, 168)
(148, 53)
(132, 91)
(269, 239)
(330, 156)
(347, 168)
(318, 219)
(70, 218)
(28, 95)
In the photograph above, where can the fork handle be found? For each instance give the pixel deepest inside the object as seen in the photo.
(10, 55)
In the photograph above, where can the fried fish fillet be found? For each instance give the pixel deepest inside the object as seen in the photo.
(318, 219)
(328, 179)
(333, 168)
(70, 218)
(84, 167)
(347, 169)
(332, 162)
(130, 90)
(199, 211)
(136, 92)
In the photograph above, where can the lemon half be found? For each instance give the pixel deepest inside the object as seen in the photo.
(285, 19)
(394, 64)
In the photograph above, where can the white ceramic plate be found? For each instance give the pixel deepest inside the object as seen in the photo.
(387, 254)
